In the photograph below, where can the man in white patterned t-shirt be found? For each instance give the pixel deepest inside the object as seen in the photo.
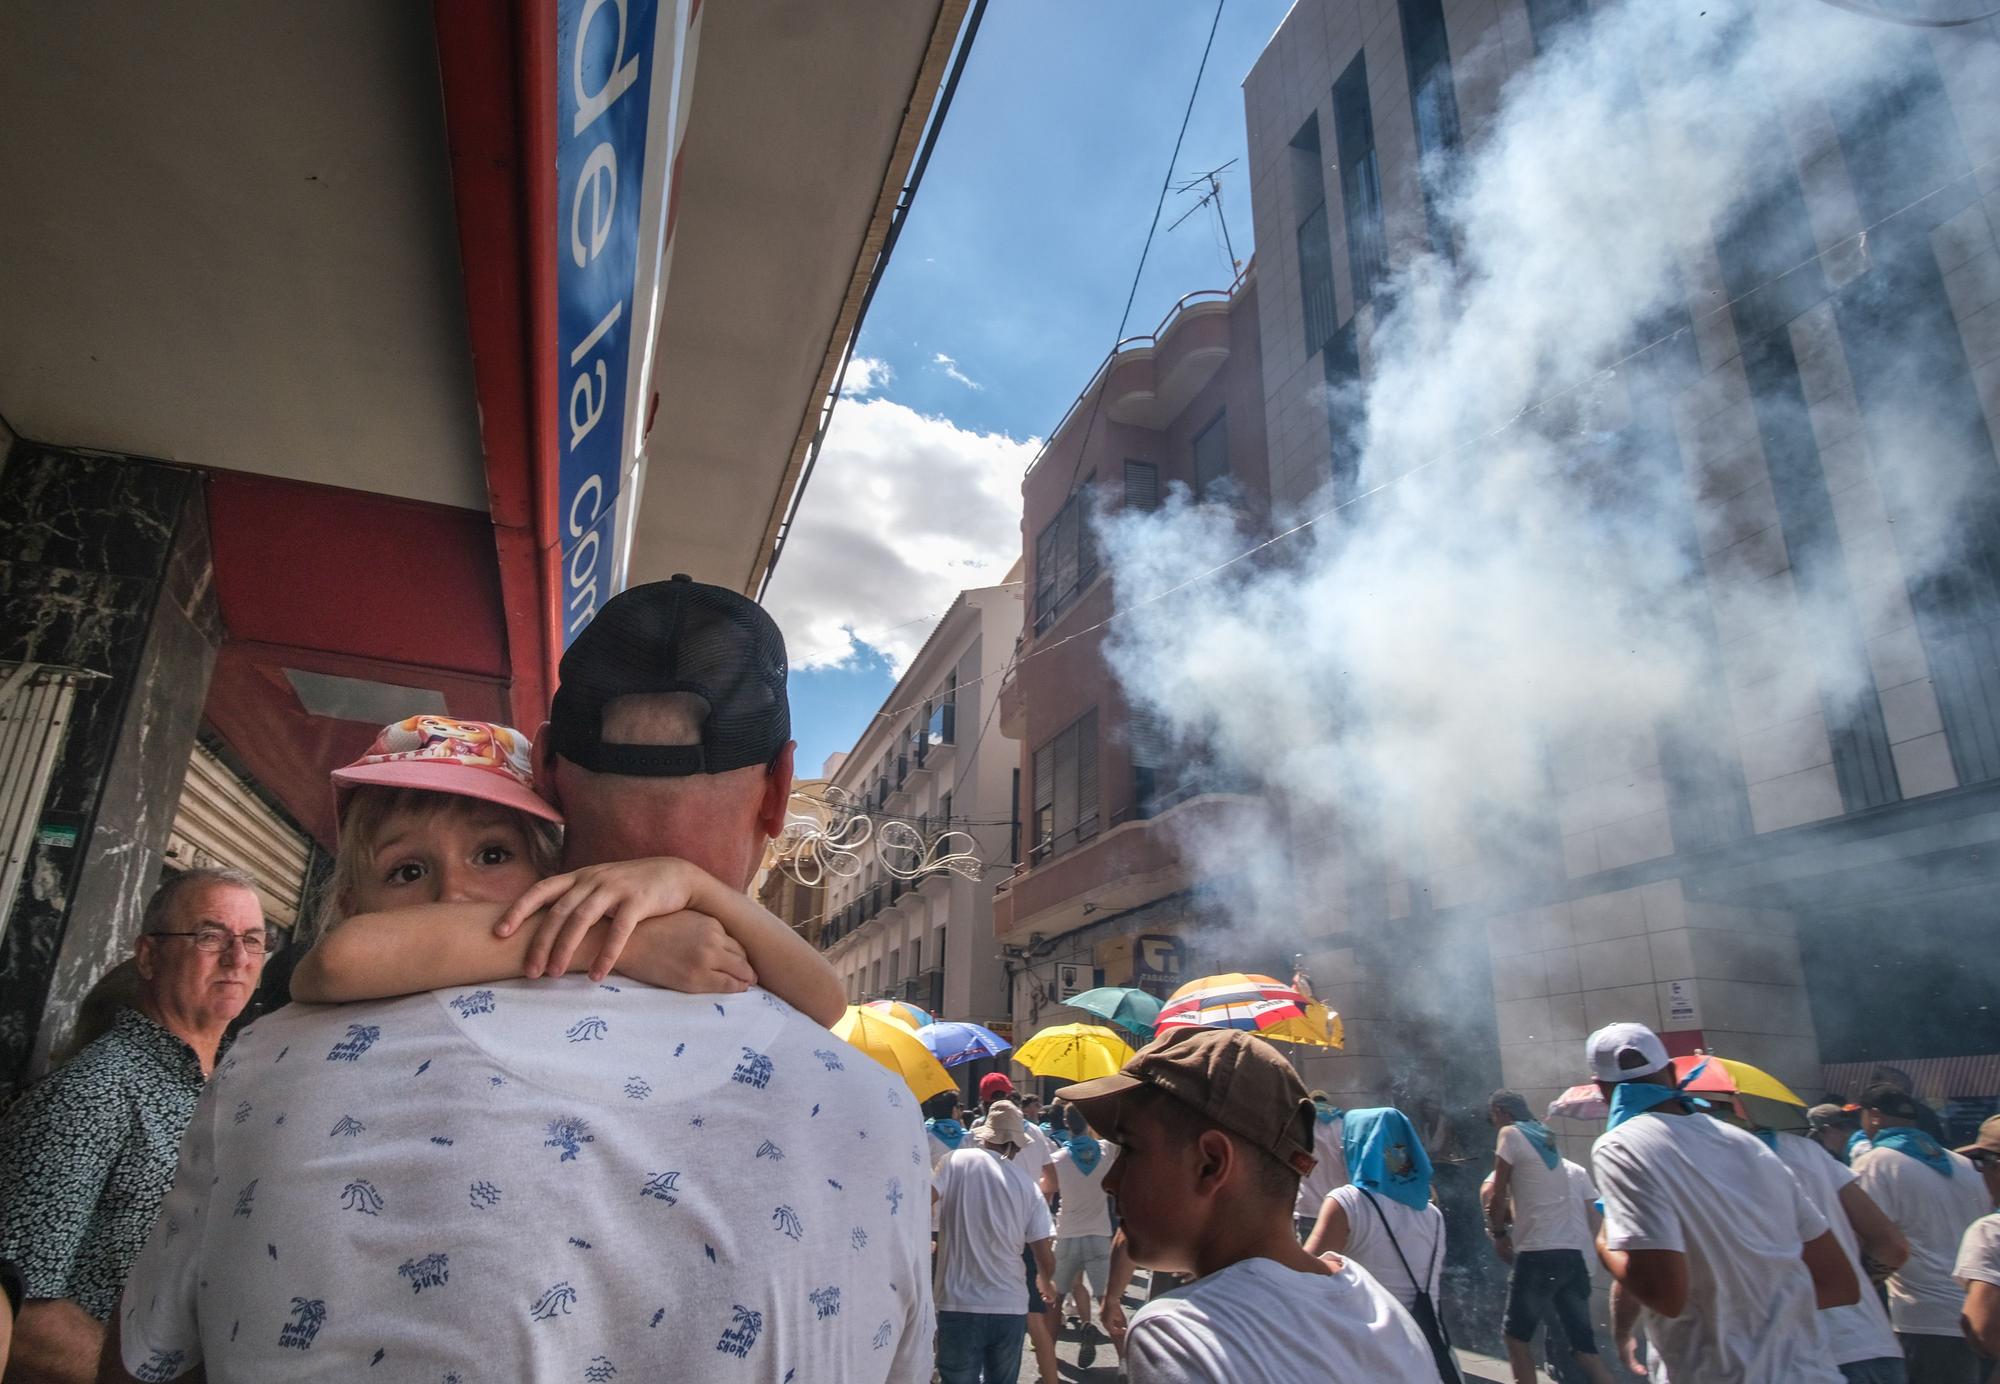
(559, 1179)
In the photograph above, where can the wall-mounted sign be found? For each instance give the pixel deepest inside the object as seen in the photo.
(1682, 1010)
(620, 67)
(1073, 978)
(1156, 961)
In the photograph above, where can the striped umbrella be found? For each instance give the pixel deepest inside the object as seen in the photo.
(1256, 1004)
(908, 1015)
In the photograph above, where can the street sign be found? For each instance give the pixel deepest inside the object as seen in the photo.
(1156, 961)
(1073, 978)
(620, 67)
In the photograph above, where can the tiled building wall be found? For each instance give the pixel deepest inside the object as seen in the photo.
(1559, 971)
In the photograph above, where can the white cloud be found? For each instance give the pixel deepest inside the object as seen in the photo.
(865, 375)
(951, 369)
(904, 511)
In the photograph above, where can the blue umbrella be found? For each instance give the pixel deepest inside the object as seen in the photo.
(954, 1043)
(1131, 1009)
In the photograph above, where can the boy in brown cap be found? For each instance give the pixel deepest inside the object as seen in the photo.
(1215, 1131)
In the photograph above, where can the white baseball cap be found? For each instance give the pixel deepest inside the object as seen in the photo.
(1613, 1041)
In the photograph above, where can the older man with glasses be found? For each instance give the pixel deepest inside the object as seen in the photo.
(88, 1153)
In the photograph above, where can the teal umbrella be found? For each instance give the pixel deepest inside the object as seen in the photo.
(1131, 1009)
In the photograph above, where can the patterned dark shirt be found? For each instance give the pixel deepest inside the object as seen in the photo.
(86, 1157)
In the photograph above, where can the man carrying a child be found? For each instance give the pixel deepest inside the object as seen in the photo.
(580, 1176)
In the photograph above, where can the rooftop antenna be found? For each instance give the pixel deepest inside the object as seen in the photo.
(1212, 196)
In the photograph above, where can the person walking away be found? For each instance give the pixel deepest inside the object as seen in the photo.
(1705, 1232)
(1978, 1266)
(1385, 1221)
(1933, 1195)
(1330, 1169)
(89, 1152)
(1214, 1131)
(1083, 1221)
(1538, 1228)
(989, 1211)
(1038, 1153)
(941, 1124)
(1859, 1339)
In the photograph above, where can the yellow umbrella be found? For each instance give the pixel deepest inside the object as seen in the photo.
(896, 1048)
(1074, 1052)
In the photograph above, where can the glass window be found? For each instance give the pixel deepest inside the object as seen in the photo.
(1212, 477)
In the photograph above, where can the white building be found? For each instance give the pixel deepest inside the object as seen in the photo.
(933, 760)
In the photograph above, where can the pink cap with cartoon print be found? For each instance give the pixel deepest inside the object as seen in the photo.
(472, 759)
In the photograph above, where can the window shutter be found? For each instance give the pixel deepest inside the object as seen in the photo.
(1148, 734)
(1066, 801)
(1086, 776)
(1066, 553)
(1045, 569)
(1142, 485)
(1045, 796)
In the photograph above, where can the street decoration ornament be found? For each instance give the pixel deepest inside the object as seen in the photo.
(826, 840)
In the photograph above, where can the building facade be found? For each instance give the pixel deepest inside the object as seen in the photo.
(384, 456)
(1794, 895)
(933, 776)
(1100, 894)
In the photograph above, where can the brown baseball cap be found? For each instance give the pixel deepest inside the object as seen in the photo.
(1988, 1140)
(1226, 1076)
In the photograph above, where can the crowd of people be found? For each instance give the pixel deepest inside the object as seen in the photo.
(557, 1100)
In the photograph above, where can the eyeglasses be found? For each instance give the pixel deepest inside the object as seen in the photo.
(218, 939)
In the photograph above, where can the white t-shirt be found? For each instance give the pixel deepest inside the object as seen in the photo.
(1547, 1214)
(1039, 1151)
(1585, 1192)
(547, 1179)
(989, 1209)
(1979, 1253)
(1330, 1148)
(1860, 1332)
(1420, 1234)
(1695, 1186)
(1933, 1212)
(1085, 1210)
(1258, 1322)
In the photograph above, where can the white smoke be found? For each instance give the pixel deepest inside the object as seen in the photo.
(1519, 585)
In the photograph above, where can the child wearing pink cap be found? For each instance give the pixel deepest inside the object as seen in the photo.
(442, 836)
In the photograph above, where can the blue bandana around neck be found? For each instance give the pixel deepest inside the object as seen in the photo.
(1918, 1145)
(1857, 1137)
(1545, 1143)
(1385, 1156)
(1636, 1098)
(1084, 1151)
(950, 1133)
(1326, 1114)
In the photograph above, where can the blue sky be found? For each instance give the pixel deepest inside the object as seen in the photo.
(1004, 293)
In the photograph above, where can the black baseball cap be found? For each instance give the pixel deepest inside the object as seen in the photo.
(678, 635)
(1887, 1099)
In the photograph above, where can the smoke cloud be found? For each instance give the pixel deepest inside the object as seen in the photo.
(1513, 592)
